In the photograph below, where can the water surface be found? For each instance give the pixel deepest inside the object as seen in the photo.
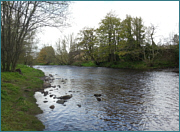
(132, 100)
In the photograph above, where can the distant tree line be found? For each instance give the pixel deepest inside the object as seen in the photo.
(117, 40)
(114, 41)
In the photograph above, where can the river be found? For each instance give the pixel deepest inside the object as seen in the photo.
(131, 100)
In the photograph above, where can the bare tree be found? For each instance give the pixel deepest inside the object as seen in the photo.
(150, 49)
(20, 18)
(62, 50)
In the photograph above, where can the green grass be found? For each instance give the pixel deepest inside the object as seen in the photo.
(137, 65)
(77, 64)
(123, 65)
(89, 64)
(85, 64)
(129, 64)
(46, 64)
(18, 107)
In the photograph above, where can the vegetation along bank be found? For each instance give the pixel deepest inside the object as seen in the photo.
(18, 107)
(116, 43)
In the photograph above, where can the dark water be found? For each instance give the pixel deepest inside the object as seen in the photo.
(132, 100)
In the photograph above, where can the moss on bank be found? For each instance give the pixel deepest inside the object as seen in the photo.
(18, 107)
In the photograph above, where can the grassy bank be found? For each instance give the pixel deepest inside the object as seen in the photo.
(18, 107)
(86, 64)
(124, 65)
(129, 64)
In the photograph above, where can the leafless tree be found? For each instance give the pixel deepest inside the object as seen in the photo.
(63, 45)
(20, 18)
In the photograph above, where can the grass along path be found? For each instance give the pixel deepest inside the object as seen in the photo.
(18, 107)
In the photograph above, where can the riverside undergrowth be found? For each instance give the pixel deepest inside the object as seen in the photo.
(129, 64)
(18, 105)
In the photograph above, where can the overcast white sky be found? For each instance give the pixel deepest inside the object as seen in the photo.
(164, 14)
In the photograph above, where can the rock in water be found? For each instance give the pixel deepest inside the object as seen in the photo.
(61, 101)
(78, 105)
(50, 75)
(98, 99)
(52, 106)
(46, 85)
(65, 97)
(97, 95)
(45, 93)
(47, 78)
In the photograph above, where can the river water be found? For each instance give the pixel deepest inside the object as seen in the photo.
(131, 100)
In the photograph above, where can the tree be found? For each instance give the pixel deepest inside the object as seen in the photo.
(108, 35)
(132, 36)
(88, 43)
(46, 55)
(61, 52)
(138, 31)
(74, 49)
(127, 34)
(176, 39)
(19, 18)
(27, 56)
(150, 48)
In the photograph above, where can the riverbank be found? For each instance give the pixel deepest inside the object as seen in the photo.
(129, 65)
(18, 105)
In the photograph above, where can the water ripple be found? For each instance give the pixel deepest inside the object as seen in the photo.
(132, 100)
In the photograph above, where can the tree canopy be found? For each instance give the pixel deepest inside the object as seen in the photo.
(117, 40)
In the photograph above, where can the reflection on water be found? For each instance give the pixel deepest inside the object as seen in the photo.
(132, 100)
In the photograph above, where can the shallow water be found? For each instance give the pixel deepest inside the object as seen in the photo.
(132, 100)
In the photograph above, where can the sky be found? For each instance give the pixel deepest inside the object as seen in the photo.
(162, 14)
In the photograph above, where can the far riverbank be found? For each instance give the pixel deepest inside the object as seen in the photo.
(129, 65)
